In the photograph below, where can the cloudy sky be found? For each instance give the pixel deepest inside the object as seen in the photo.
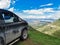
(33, 8)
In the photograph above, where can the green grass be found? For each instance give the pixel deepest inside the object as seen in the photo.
(57, 34)
(39, 38)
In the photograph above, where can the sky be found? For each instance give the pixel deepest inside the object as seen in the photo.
(33, 8)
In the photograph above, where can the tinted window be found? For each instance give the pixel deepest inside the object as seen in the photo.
(8, 18)
(16, 18)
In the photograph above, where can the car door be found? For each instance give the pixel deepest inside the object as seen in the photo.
(11, 26)
(16, 26)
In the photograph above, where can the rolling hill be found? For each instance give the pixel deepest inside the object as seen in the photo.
(52, 29)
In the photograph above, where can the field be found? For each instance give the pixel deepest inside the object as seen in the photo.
(52, 29)
(38, 38)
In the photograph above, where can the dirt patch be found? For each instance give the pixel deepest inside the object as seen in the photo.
(28, 42)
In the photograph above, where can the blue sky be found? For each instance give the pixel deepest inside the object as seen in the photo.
(35, 4)
(33, 8)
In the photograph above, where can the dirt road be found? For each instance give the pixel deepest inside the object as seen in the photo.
(26, 42)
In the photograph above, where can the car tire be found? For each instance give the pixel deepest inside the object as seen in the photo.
(1, 41)
(24, 35)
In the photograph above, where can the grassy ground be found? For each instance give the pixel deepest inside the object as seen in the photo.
(38, 38)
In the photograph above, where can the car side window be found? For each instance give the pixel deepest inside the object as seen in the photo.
(16, 19)
(8, 18)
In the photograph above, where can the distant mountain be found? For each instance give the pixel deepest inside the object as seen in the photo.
(30, 20)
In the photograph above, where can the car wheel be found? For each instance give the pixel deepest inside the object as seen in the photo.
(24, 35)
(1, 41)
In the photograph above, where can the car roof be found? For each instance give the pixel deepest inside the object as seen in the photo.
(3, 10)
(7, 11)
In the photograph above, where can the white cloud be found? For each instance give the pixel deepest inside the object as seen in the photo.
(49, 4)
(11, 9)
(38, 11)
(48, 10)
(33, 11)
(13, 1)
(32, 16)
(59, 7)
(22, 15)
(55, 15)
(5, 4)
